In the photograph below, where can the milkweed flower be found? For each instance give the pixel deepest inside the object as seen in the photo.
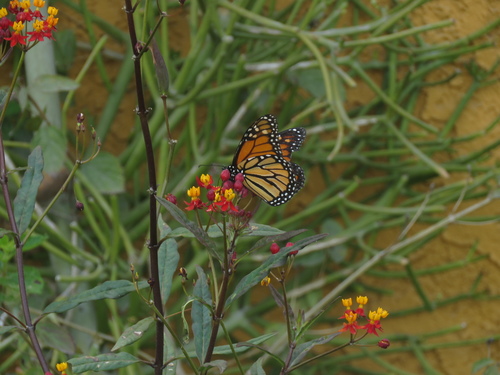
(14, 28)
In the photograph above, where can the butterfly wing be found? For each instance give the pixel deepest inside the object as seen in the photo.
(264, 155)
(291, 140)
(260, 139)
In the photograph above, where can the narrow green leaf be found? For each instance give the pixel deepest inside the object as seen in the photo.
(273, 261)
(105, 173)
(102, 362)
(109, 289)
(201, 315)
(239, 347)
(168, 258)
(24, 203)
(53, 143)
(214, 231)
(182, 219)
(267, 241)
(133, 333)
(302, 349)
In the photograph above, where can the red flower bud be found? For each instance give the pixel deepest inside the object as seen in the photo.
(238, 185)
(384, 343)
(225, 175)
(289, 244)
(210, 195)
(227, 185)
(239, 177)
(171, 198)
(274, 248)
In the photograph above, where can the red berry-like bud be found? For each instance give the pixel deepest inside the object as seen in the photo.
(227, 185)
(239, 177)
(289, 244)
(384, 343)
(80, 118)
(243, 192)
(238, 186)
(225, 175)
(210, 195)
(171, 198)
(274, 248)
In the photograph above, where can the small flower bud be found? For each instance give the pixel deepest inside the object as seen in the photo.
(211, 195)
(239, 177)
(183, 273)
(243, 192)
(289, 244)
(274, 248)
(227, 185)
(132, 268)
(238, 186)
(225, 175)
(80, 118)
(384, 343)
(171, 198)
(79, 206)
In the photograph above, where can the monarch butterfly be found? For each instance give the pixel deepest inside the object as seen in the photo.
(264, 158)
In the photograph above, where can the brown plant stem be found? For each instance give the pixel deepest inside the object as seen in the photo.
(29, 326)
(153, 235)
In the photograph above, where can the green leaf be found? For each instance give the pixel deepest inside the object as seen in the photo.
(33, 278)
(168, 258)
(6, 232)
(105, 173)
(53, 143)
(6, 329)
(182, 219)
(34, 241)
(257, 369)
(273, 261)
(24, 203)
(302, 349)
(56, 336)
(242, 346)
(55, 83)
(109, 289)
(214, 231)
(219, 363)
(102, 362)
(133, 333)
(267, 241)
(481, 364)
(201, 315)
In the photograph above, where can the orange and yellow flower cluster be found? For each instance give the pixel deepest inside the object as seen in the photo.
(351, 316)
(14, 19)
(219, 198)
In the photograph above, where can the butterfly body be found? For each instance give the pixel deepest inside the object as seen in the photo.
(264, 158)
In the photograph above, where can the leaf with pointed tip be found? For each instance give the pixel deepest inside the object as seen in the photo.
(109, 289)
(24, 203)
(219, 363)
(102, 362)
(201, 315)
(133, 333)
(302, 349)
(273, 261)
(283, 236)
(182, 219)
